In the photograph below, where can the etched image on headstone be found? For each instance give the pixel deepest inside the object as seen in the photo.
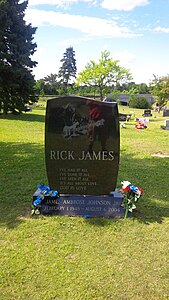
(98, 125)
(82, 145)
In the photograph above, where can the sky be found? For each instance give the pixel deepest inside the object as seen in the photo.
(135, 32)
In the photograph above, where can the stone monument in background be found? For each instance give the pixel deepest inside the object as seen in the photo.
(82, 147)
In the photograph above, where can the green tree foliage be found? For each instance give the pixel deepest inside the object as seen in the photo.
(51, 84)
(143, 88)
(103, 74)
(68, 68)
(16, 47)
(140, 88)
(39, 87)
(138, 102)
(47, 86)
(160, 89)
(134, 88)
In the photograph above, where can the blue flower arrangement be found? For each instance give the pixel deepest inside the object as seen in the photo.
(41, 192)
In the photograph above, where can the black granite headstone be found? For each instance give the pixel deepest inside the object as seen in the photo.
(147, 113)
(122, 117)
(82, 145)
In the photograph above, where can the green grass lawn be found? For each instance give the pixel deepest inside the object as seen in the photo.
(73, 258)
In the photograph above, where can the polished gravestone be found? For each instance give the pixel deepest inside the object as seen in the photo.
(166, 113)
(147, 113)
(167, 124)
(123, 117)
(82, 143)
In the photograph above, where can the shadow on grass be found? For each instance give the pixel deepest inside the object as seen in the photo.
(23, 167)
(158, 119)
(24, 117)
(103, 222)
(151, 174)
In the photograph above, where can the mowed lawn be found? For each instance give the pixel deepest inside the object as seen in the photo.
(73, 258)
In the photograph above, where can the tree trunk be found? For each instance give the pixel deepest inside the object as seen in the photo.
(101, 93)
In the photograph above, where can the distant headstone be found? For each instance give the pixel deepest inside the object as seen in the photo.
(167, 124)
(147, 113)
(166, 113)
(82, 156)
(122, 117)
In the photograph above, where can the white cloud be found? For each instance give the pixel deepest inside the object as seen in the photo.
(59, 3)
(123, 4)
(72, 41)
(125, 57)
(161, 29)
(91, 26)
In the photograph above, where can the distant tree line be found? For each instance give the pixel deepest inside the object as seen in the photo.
(97, 79)
(102, 78)
(48, 86)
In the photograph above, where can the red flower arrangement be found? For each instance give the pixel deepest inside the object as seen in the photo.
(140, 125)
(131, 195)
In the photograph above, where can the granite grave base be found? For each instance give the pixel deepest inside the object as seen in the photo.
(86, 206)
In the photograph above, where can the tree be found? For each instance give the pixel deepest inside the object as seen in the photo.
(133, 88)
(39, 87)
(51, 83)
(16, 47)
(160, 89)
(143, 88)
(68, 69)
(138, 102)
(103, 74)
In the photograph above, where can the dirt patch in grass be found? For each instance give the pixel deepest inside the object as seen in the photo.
(26, 214)
(160, 154)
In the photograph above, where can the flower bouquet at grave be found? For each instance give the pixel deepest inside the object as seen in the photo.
(40, 195)
(140, 125)
(131, 194)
